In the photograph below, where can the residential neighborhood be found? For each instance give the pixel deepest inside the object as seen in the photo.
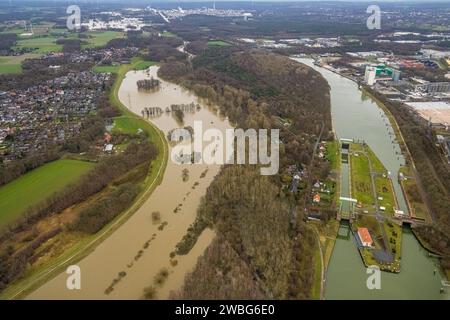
(33, 119)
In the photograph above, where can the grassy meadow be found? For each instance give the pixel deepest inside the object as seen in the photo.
(13, 64)
(37, 185)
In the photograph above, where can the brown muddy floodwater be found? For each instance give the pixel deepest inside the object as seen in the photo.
(117, 253)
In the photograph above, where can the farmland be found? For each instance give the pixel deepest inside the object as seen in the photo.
(44, 42)
(12, 64)
(47, 43)
(100, 38)
(41, 44)
(37, 185)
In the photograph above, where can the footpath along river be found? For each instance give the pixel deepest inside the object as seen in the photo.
(357, 117)
(117, 253)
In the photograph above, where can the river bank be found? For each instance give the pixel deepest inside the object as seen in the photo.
(129, 259)
(37, 277)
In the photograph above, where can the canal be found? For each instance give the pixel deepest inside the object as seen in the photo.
(356, 116)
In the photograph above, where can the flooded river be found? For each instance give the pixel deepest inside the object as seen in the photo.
(354, 116)
(358, 117)
(117, 253)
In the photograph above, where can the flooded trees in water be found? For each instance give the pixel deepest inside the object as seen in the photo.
(185, 107)
(185, 175)
(156, 217)
(148, 84)
(150, 293)
(178, 110)
(179, 116)
(161, 277)
(151, 112)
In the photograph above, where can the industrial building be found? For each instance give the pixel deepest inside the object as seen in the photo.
(380, 73)
(432, 87)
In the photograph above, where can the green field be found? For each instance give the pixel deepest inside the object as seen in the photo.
(332, 154)
(219, 43)
(377, 165)
(13, 64)
(16, 30)
(36, 185)
(42, 44)
(129, 125)
(361, 180)
(136, 64)
(139, 64)
(47, 42)
(385, 191)
(107, 69)
(43, 27)
(360, 177)
(168, 34)
(100, 38)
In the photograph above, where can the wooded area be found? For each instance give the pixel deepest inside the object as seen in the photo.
(264, 249)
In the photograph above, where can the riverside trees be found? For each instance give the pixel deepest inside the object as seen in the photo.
(148, 84)
(262, 237)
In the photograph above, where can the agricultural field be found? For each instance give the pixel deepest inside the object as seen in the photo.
(39, 44)
(41, 28)
(13, 64)
(16, 29)
(45, 43)
(100, 38)
(36, 185)
(219, 43)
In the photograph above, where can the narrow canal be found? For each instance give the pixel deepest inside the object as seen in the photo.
(358, 117)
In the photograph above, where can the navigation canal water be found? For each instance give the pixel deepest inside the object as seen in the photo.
(358, 117)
